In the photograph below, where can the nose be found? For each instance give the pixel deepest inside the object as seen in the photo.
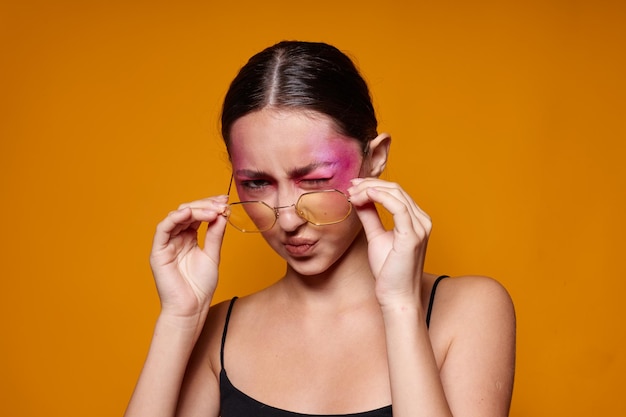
(287, 218)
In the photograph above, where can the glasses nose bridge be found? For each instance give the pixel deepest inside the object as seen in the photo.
(254, 216)
(277, 212)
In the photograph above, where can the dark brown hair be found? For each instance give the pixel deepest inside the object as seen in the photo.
(303, 75)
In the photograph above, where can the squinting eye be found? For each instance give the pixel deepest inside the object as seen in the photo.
(254, 184)
(316, 181)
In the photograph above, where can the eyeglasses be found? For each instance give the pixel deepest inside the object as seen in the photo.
(320, 208)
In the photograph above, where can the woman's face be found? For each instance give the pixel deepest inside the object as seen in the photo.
(277, 155)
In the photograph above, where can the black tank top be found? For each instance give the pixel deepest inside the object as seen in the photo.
(234, 403)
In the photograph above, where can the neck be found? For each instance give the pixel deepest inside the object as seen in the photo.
(347, 281)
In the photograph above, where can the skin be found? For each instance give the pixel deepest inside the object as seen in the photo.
(311, 157)
(344, 330)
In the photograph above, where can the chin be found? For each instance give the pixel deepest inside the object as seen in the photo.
(309, 267)
(319, 265)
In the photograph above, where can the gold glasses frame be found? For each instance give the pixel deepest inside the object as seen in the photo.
(299, 211)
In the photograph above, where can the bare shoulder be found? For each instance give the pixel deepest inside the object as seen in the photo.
(471, 302)
(200, 387)
(216, 319)
(474, 291)
(473, 336)
(208, 346)
(489, 295)
(244, 309)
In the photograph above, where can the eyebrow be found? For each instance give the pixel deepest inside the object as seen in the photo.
(293, 173)
(250, 173)
(307, 169)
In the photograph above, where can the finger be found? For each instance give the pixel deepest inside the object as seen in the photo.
(187, 218)
(168, 225)
(205, 202)
(420, 219)
(359, 193)
(370, 219)
(361, 185)
(215, 236)
(401, 212)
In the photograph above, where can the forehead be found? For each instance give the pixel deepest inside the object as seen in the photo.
(287, 139)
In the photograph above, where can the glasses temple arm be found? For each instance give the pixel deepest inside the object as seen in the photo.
(230, 184)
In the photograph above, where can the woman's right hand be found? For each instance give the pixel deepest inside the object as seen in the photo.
(186, 274)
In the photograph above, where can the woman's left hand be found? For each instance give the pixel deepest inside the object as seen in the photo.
(396, 256)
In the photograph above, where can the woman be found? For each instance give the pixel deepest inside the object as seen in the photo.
(353, 327)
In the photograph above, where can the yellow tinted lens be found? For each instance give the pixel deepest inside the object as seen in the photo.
(251, 216)
(324, 207)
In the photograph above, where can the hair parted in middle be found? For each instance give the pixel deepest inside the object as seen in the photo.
(303, 76)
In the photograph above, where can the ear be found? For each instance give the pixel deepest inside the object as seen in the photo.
(377, 154)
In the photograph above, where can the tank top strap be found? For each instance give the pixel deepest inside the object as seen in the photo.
(230, 310)
(432, 298)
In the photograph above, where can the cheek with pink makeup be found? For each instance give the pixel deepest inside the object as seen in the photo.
(345, 158)
(312, 161)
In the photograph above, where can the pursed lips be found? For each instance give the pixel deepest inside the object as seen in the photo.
(299, 246)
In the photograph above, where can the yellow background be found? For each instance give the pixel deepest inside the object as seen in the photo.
(509, 125)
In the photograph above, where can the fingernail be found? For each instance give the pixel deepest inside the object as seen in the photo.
(357, 181)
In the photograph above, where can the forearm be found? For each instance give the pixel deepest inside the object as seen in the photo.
(157, 390)
(416, 387)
